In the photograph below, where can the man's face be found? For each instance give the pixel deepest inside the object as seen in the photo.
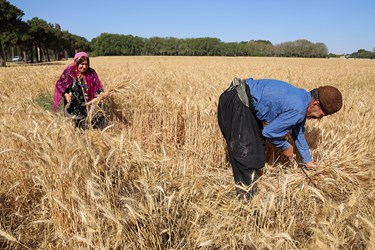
(314, 111)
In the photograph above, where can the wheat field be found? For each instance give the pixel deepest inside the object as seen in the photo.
(158, 177)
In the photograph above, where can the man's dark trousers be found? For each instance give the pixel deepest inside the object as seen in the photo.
(242, 132)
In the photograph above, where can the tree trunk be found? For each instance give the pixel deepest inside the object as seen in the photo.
(2, 57)
(36, 53)
(2, 62)
(48, 59)
(24, 56)
(31, 55)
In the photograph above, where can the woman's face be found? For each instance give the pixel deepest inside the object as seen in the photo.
(83, 66)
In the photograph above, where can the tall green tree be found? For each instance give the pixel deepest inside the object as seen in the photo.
(41, 32)
(10, 23)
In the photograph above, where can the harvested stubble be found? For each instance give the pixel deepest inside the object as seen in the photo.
(158, 177)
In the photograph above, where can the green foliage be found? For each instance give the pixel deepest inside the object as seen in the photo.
(36, 36)
(45, 101)
(114, 44)
(301, 48)
(10, 23)
(10, 16)
(331, 55)
(362, 54)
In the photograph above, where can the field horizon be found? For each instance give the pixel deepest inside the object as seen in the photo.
(158, 176)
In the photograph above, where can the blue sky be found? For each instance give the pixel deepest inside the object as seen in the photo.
(345, 26)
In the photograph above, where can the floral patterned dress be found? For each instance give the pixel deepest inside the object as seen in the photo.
(77, 107)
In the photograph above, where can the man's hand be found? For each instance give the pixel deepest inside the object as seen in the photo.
(310, 165)
(289, 152)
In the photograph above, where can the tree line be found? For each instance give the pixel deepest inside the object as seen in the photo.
(37, 40)
(116, 44)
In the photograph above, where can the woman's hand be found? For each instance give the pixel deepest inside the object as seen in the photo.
(68, 97)
(98, 98)
(103, 95)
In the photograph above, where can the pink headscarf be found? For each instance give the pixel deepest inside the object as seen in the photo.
(80, 54)
(69, 75)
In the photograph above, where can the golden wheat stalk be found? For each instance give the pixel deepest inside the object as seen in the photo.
(9, 237)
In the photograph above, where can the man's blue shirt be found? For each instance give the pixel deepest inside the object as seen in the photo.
(284, 108)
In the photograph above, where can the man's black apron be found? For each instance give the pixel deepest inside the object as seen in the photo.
(242, 131)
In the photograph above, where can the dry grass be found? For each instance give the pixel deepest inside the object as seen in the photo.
(158, 177)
